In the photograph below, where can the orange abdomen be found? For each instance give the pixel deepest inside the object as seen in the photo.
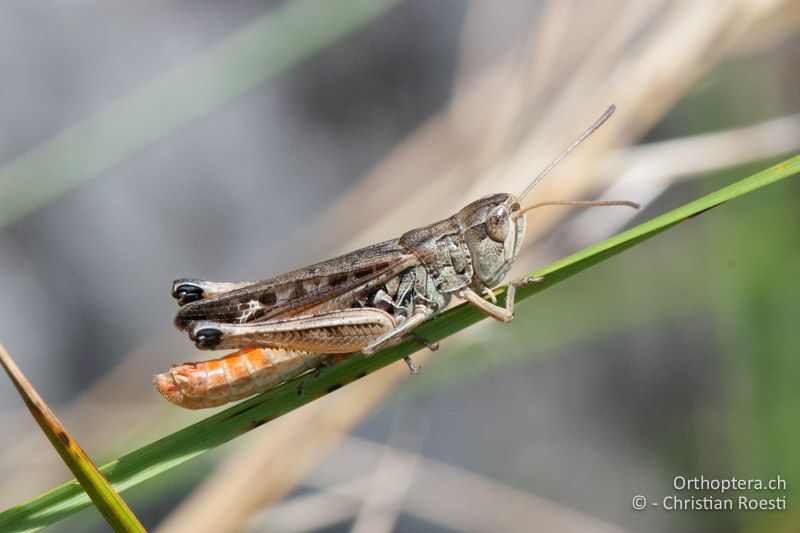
(233, 377)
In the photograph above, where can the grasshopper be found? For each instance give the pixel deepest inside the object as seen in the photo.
(362, 301)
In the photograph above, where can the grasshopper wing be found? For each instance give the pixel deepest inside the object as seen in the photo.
(329, 285)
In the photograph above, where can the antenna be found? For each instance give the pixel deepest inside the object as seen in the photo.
(583, 203)
(591, 129)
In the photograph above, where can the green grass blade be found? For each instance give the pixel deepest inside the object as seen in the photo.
(189, 442)
(110, 504)
(262, 49)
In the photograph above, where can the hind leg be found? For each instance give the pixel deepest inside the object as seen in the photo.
(341, 331)
(191, 290)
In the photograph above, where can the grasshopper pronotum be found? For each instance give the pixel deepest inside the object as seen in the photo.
(359, 302)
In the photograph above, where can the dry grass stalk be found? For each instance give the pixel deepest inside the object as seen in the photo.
(646, 60)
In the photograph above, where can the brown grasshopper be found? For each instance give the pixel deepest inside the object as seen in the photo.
(362, 301)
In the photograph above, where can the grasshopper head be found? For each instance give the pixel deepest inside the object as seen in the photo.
(494, 228)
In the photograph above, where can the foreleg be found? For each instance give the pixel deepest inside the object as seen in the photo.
(503, 314)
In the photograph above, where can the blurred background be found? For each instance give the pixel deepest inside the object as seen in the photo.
(143, 142)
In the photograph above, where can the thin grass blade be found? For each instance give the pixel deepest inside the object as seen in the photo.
(162, 455)
(110, 504)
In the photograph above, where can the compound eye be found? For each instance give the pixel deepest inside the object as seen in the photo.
(498, 224)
